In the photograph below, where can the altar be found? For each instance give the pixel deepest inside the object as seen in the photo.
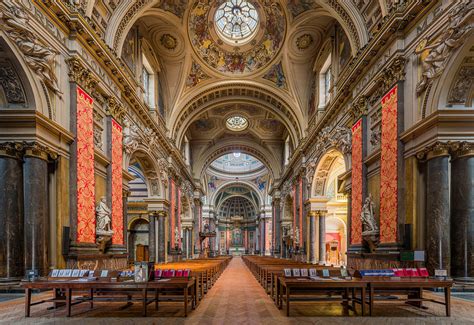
(237, 251)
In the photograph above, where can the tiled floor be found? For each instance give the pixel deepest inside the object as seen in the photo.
(237, 298)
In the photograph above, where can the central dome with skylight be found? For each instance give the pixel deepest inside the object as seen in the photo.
(236, 21)
(237, 163)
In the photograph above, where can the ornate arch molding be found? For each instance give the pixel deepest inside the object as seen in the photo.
(233, 91)
(236, 195)
(247, 184)
(265, 156)
(154, 171)
(349, 18)
(321, 173)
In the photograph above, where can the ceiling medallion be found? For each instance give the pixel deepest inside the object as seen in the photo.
(237, 36)
(168, 41)
(237, 123)
(304, 41)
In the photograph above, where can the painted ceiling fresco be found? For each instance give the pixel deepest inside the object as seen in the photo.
(212, 51)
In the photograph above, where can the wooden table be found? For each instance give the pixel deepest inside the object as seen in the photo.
(309, 287)
(187, 285)
(412, 288)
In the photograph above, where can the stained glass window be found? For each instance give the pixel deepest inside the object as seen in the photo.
(236, 20)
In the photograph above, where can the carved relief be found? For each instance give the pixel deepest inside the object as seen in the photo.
(435, 52)
(359, 107)
(11, 84)
(131, 136)
(462, 87)
(115, 109)
(79, 74)
(98, 138)
(39, 57)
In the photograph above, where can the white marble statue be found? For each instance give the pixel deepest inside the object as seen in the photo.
(369, 225)
(103, 217)
(176, 235)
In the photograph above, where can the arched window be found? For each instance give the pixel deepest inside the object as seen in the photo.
(149, 83)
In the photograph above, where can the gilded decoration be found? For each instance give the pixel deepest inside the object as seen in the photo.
(304, 41)
(226, 59)
(168, 41)
(37, 55)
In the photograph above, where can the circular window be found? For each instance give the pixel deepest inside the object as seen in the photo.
(237, 123)
(236, 21)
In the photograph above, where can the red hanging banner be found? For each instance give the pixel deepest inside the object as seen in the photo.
(85, 181)
(117, 183)
(389, 168)
(357, 174)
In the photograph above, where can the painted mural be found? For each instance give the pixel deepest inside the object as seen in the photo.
(196, 75)
(297, 7)
(275, 74)
(176, 7)
(225, 61)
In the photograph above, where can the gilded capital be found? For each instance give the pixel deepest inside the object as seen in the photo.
(115, 109)
(11, 150)
(439, 149)
(36, 150)
(462, 149)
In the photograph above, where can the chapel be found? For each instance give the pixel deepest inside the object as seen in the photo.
(237, 156)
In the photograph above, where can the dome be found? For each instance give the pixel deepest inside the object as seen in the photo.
(237, 163)
(236, 21)
(237, 206)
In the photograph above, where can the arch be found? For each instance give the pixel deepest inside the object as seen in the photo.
(31, 90)
(324, 166)
(438, 95)
(229, 146)
(255, 208)
(247, 184)
(150, 170)
(231, 92)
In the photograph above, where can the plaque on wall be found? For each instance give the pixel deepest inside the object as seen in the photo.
(304, 272)
(296, 272)
(287, 272)
(313, 273)
(325, 273)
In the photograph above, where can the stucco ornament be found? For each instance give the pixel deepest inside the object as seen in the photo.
(435, 53)
(41, 59)
(130, 136)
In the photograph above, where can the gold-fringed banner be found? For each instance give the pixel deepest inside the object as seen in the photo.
(85, 168)
(389, 168)
(117, 183)
(357, 189)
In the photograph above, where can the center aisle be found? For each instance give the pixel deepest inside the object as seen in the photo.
(236, 298)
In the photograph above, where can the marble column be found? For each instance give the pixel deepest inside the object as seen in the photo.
(11, 212)
(438, 251)
(218, 240)
(36, 208)
(322, 237)
(462, 211)
(152, 237)
(312, 236)
(212, 228)
(277, 227)
(263, 240)
(161, 237)
(257, 236)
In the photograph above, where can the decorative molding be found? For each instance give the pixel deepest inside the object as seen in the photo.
(359, 107)
(37, 55)
(462, 149)
(304, 41)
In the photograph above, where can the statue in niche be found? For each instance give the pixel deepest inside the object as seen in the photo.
(103, 218)
(297, 236)
(130, 136)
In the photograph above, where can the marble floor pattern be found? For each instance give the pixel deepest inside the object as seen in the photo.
(237, 298)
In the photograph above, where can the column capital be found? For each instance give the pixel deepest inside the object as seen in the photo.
(37, 150)
(438, 149)
(317, 213)
(462, 149)
(11, 150)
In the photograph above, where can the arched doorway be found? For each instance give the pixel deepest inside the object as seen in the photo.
(333, 206)
(138, 234)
